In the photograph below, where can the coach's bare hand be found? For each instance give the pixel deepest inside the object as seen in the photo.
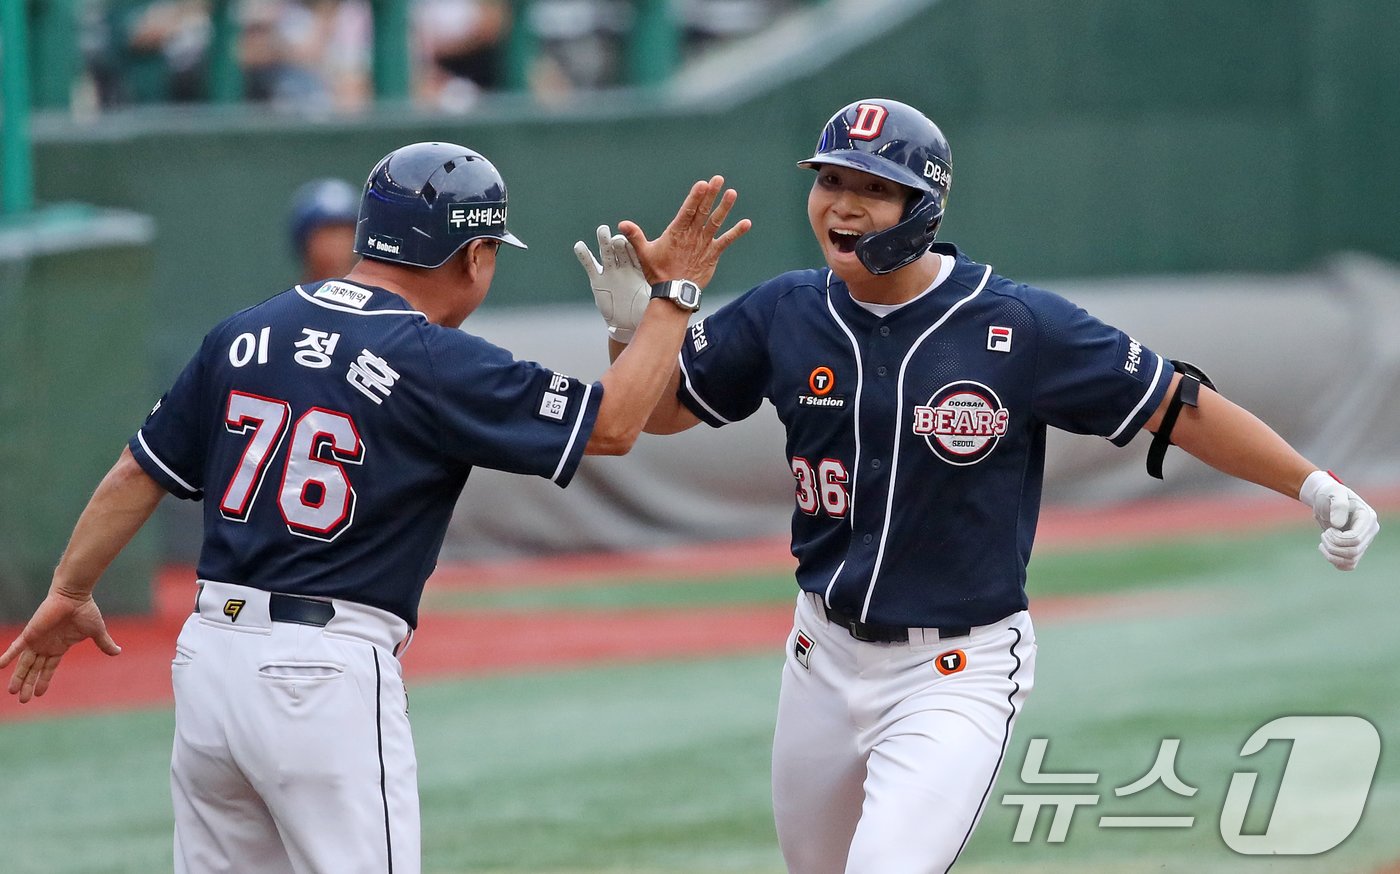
(60, 622)
(690, 246)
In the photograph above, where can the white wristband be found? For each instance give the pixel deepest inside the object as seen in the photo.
(1312, 485)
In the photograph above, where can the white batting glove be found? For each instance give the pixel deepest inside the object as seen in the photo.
(620, 290)
(1348, 523)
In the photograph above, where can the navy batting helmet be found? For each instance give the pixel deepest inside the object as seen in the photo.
(425, 201)
(321, 202)
(894, 141)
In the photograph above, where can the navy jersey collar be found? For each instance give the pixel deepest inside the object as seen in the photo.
(966, 276)
(354, 298)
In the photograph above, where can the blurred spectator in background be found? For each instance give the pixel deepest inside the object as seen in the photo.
(322, 228)
(580, 45)
(139, 51)
(278, 43)
(314, 56)
(707, 22)
(458, 50)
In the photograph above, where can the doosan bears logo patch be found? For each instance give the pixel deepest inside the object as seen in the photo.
(962, 422)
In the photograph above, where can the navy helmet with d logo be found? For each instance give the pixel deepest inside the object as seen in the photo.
(424, 202)
(894, 141)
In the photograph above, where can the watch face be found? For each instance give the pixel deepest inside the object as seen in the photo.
(689, 294)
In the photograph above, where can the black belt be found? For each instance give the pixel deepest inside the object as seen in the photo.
(869, 632)
(302, 611)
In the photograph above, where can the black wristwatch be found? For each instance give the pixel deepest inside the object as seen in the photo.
(682, 292)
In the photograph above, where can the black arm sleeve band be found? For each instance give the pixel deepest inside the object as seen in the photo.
(1188, 393)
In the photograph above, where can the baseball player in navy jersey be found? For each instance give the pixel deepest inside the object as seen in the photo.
(916, 387)
(329, 432)
(322, 224)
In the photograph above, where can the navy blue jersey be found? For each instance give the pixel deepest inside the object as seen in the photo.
(330, 431)
(917, 440)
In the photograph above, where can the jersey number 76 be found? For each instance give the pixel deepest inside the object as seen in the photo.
(315, 497)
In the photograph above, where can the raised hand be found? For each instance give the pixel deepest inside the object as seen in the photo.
(690, 246)
(620, 291)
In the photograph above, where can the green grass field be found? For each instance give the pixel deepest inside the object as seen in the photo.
(663, 767)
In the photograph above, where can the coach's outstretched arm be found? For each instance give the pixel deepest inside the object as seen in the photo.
(1233, 440)
(124, 500)
(645, 332)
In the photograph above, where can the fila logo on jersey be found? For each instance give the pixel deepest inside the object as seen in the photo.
(998, 339)
(387, 245)
(821, 381)
(802, 644)
(232, 607)
(962, 422)
(470, 216)
(951, 662)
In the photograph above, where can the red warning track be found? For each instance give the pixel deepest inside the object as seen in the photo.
(455, 644)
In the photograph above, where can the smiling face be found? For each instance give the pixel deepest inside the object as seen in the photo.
(845, 204)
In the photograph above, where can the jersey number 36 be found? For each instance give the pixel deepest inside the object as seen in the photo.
(822, 487)
(316, 497)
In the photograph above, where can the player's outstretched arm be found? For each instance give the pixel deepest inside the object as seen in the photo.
(1233, 440)
(122, 503)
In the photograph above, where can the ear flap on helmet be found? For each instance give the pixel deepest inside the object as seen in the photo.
(904, 243)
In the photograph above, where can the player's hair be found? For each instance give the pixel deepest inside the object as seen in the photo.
(894, 141)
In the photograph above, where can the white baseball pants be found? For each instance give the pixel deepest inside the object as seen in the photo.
(292, 751)
(882, 763)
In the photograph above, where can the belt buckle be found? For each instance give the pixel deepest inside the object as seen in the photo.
(858, 630)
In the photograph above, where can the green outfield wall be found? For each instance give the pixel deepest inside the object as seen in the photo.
(74, 326)
(1090, 137)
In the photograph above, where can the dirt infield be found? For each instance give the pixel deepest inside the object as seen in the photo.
(463, 644)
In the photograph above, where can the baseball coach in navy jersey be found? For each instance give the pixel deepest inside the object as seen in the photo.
(916, 387)
(329, 432)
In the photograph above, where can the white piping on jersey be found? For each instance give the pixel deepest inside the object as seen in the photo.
(899, 430)
(685, 376)
(1155, 377)
(162, 465)
(855, 463)
(354, 312)
(578, 423)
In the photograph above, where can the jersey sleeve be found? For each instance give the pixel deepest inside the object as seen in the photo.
(1093, 378)
(724, 360)
(515, 416)
(171, 444)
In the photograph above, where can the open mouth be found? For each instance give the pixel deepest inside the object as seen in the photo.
(844, 240)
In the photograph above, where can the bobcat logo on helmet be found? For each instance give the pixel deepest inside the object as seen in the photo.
(962, 422)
